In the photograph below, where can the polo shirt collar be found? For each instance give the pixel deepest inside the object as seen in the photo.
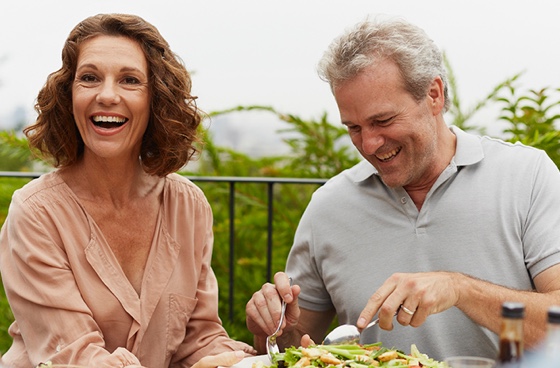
(468, 152)
(469, 148)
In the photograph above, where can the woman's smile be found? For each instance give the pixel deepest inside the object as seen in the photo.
(108, 125)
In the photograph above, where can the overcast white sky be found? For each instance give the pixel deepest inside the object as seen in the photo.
(245, 52)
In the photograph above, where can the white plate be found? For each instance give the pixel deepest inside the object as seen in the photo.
(248, 362)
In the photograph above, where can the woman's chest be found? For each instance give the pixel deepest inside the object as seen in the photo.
(129, 233)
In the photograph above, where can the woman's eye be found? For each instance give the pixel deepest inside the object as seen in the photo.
(131, 80)
(88, 78)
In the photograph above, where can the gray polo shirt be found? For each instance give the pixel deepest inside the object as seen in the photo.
(494, 213)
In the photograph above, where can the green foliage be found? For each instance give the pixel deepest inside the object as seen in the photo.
(14, 152)
(532, 117)
(7, 188)
(460, 116)
(319, 149)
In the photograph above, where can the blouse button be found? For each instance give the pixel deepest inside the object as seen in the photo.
(404, 200)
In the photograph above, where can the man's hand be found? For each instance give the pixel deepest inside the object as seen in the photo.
(417, 294)
(263, 310)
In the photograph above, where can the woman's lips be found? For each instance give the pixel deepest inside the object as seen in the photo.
(108, 122)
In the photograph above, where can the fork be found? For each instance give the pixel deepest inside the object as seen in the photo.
(271, 346)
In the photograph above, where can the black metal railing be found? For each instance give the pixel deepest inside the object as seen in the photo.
(270, 182)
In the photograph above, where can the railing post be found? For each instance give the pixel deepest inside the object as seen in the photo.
(231, 247)
(269, 231)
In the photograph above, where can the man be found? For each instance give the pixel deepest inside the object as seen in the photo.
(446, 224)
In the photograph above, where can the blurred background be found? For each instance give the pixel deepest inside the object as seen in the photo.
(263, 52)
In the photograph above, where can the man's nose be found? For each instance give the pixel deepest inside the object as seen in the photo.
(371, 140)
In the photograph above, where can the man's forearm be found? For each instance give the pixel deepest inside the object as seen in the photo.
(476, 293)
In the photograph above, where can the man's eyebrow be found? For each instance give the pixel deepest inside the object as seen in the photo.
(378, 116)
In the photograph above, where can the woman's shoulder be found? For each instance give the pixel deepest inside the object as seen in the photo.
(47, 186)
(180, 186)
(42, 199)
(181, 182)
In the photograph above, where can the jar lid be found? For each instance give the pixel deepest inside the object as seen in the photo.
(554, 314)
(513, 310)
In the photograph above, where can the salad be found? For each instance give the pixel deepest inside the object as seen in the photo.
(350, 356)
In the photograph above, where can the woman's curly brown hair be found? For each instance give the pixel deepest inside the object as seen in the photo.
(167, 144)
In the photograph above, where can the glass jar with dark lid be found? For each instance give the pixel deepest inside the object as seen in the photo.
(513, 310)
(511, 334)
(554, 314)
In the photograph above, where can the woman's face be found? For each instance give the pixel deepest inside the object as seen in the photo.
(111, 98)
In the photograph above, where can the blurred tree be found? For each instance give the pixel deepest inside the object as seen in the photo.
(319, 148)
(14, 153)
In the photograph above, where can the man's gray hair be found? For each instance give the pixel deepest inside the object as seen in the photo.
(371, 41)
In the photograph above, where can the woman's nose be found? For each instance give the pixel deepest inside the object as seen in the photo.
(108, 94)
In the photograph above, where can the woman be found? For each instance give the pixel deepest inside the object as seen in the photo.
(106, 261)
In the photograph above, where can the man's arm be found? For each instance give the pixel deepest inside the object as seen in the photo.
(476, 293)
(434, 292)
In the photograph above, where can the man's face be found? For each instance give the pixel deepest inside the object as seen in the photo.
(394, 132)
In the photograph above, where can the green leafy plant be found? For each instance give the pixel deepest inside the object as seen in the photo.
(319, 149)
(461, 116)
(532, 117)
(14, 152)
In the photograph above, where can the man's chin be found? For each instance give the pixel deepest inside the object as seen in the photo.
(391, 181)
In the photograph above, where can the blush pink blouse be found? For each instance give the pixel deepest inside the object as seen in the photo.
(73, 303)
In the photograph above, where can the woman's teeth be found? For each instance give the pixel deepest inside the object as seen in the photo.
(108, 121)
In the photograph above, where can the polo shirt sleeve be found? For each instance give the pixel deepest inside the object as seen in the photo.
(541, 232)
(302, 264)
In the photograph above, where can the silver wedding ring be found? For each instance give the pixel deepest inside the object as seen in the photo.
(407, 311)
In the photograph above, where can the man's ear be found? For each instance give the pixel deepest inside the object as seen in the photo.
(436, 96)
